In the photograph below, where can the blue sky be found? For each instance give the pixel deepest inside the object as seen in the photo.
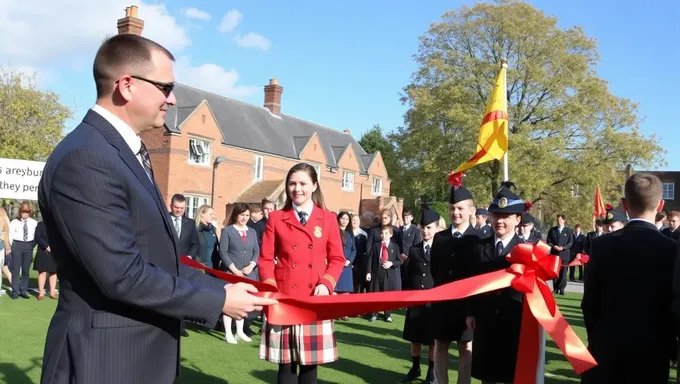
(343, 64)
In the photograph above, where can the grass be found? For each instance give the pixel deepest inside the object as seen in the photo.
(369, 352)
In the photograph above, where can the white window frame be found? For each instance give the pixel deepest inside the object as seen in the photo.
(668, 190)
(258, 168)
(376, 191)
(194, 202)
(348, 181)
(199, 145)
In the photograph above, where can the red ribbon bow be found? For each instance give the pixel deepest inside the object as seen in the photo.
(531, 266)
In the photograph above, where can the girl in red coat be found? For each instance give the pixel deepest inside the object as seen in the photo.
(305, 239)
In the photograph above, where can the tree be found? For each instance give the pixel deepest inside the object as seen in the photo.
(566, 128)
(32, 122)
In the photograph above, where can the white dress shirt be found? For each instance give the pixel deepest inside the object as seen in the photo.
(505, 241)
(16, 230)
(454, 230)
(131, 138)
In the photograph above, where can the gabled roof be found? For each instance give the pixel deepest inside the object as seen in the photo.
(264, 189)
(254, 128)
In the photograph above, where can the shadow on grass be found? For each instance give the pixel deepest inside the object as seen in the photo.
(10, 373)
(190, 374)
(373, 328)
(366, 373)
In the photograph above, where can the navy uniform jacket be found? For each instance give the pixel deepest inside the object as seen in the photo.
(123, 291)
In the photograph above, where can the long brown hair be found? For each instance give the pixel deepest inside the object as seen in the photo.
(237, 210)
(343, 235)
(24, 207)
(317, 196)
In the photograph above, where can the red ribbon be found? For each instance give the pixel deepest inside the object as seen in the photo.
(581, 259)
(531, 266)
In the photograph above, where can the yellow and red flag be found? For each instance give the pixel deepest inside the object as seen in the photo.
(492, 143)
(600, 209)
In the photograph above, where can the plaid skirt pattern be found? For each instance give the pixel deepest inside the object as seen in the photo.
(307, 344)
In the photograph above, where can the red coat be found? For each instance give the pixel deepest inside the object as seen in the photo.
(307, 255)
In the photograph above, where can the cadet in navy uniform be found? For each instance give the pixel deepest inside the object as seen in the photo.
(481, 217)
(496, 317)
(418, 276)
(526, 227)
(451, 257)
(614, 220)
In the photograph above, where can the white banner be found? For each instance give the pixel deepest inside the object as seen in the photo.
(19, 179)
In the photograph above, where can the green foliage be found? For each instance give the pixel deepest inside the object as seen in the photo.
(566, 128)
(32, 122)
(374, 141)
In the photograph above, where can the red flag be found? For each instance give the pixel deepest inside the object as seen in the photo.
(599, 210)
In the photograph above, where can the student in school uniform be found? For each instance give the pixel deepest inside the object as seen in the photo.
(526, 229)
(496, 317)
(384, 267)
(305, 238)
(418, 276)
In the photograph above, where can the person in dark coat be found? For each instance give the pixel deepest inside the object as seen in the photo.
(451, 261)
(599, 231)
(45, 264)
(560, 239)
(526, 227)
(384, 266)
(496, 317)
(345, 283)
(359, 263)
(615, 220)
(637, 253)
(257, 221)
(417, 328)
(482, 223)
(374, 234)
(410, 235)
(577, 247)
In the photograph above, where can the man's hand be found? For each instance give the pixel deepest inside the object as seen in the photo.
(239, 301)
(471, 323)
(48, 249)
(368, 277)
(321, 290)
(387, 265)
(347, 262)
(403, 257)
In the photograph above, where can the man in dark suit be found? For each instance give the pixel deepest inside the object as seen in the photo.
(599, 231)
(482, 222)
(257, 221)
(410, 234)
(560, 239)
(187, 242)
(632, 346)
(123, 291)
(526, 227)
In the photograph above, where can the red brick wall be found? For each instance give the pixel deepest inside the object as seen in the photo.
(170, 152)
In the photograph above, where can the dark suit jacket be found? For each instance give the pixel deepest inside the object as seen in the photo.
(631, 344)
(418, 272)
(373, 237)
(578, 245)
(259, 228)
(410, 237)
(564, 239)
(123, 291)
(187, 244)
(384, 279)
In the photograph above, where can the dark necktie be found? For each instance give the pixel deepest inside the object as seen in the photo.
(146, 161)
(457, 235)
(499, 248)
(427, 250)
(303, 217)
(25, 231)
(177, 226)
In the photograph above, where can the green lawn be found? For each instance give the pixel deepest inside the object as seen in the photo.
(369, 352)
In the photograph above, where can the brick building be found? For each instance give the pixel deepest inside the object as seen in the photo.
(217, 150)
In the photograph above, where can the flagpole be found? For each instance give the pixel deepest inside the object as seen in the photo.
(504, 64)
(540, 366)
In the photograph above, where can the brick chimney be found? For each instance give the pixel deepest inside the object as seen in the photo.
(347, 131)
(130, 23)
(272, 96)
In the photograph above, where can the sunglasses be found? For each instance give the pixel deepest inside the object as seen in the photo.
(165, 88)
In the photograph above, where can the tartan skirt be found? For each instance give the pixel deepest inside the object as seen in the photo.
(306, 344)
